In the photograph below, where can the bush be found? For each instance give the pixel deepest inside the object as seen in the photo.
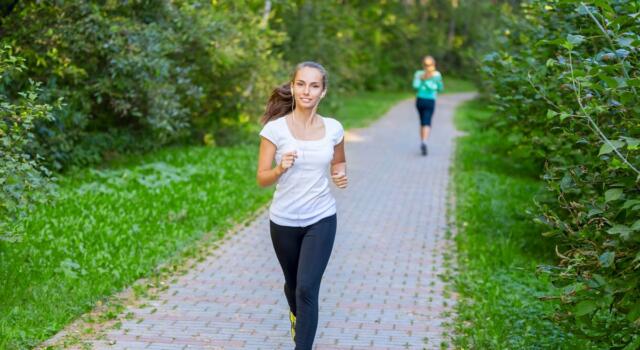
(565, 85)
(23, 179)
(139, 75)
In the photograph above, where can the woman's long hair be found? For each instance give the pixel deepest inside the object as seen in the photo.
(281, 100)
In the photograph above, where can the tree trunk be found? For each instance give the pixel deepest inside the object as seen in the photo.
(265, 14)
(452, 32)
(263, 24)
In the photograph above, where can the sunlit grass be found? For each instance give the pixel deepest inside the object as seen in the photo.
(360, 109)
(110, 227)
(454, 85)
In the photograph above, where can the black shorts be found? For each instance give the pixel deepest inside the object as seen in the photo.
(425, 107)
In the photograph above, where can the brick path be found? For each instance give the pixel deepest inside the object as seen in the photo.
(380, 290)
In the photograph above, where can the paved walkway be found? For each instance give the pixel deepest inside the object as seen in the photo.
(380, 290)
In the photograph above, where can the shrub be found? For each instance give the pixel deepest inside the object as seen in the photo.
(565, 85)
(23, 179)
(139, 75)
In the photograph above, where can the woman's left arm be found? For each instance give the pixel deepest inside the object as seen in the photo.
(339, 166)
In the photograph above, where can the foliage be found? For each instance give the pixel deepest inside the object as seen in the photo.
(377, 45)
(23, 179)
(140, 74)
(498, 248)
(565, 85)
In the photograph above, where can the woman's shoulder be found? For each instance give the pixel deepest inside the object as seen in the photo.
(332, 122)
(334, 129)
(273, 129)
(419, 72)
(275, 123)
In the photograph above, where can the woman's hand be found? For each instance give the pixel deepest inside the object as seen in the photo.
(340, 179)
(287, 161)
(339, 166)
(427, 75)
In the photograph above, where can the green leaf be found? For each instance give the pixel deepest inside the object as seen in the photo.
(598, 278)
(622, 53)
(607, 258)
(567, 45)
(608, 147)
(629, 203)
(636, 226)
(635, 344)
(612, 194)
(551, 113)
(625, 41)
(603, 4)
(611, 82)
(594, 211)
(575, 40)
(573, 288)
(632, 143)
(583, 9)
(622, 230)
(584, 307)
(566, 183)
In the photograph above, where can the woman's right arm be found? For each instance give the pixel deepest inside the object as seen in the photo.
(416, 80)
(266, 175)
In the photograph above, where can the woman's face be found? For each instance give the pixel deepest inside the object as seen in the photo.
(429, 64)
(308, 87)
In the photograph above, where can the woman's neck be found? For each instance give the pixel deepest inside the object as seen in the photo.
(305, 116)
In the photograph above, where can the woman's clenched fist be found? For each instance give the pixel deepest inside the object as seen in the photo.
(287, 161)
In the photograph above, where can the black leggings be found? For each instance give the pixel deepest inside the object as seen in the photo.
(425, 107)
(303, 253)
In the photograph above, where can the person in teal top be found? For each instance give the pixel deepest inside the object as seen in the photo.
(427, 82)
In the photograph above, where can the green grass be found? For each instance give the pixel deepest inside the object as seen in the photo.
(499, 247)
(111, 226)
(454, 85)
(360, 109)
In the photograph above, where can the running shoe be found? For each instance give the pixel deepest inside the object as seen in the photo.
(292, 319)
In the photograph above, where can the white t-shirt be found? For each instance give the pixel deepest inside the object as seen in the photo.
(302, 194)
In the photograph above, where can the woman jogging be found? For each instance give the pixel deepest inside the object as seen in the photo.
(427, 82)
(302, 215)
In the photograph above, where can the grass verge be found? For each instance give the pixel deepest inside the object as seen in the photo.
(360, 109)
(499, 247)
(109, 227)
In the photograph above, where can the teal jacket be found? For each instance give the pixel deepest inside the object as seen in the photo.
(428, 88)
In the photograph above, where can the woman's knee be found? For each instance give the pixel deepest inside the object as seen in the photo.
(306, 292)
